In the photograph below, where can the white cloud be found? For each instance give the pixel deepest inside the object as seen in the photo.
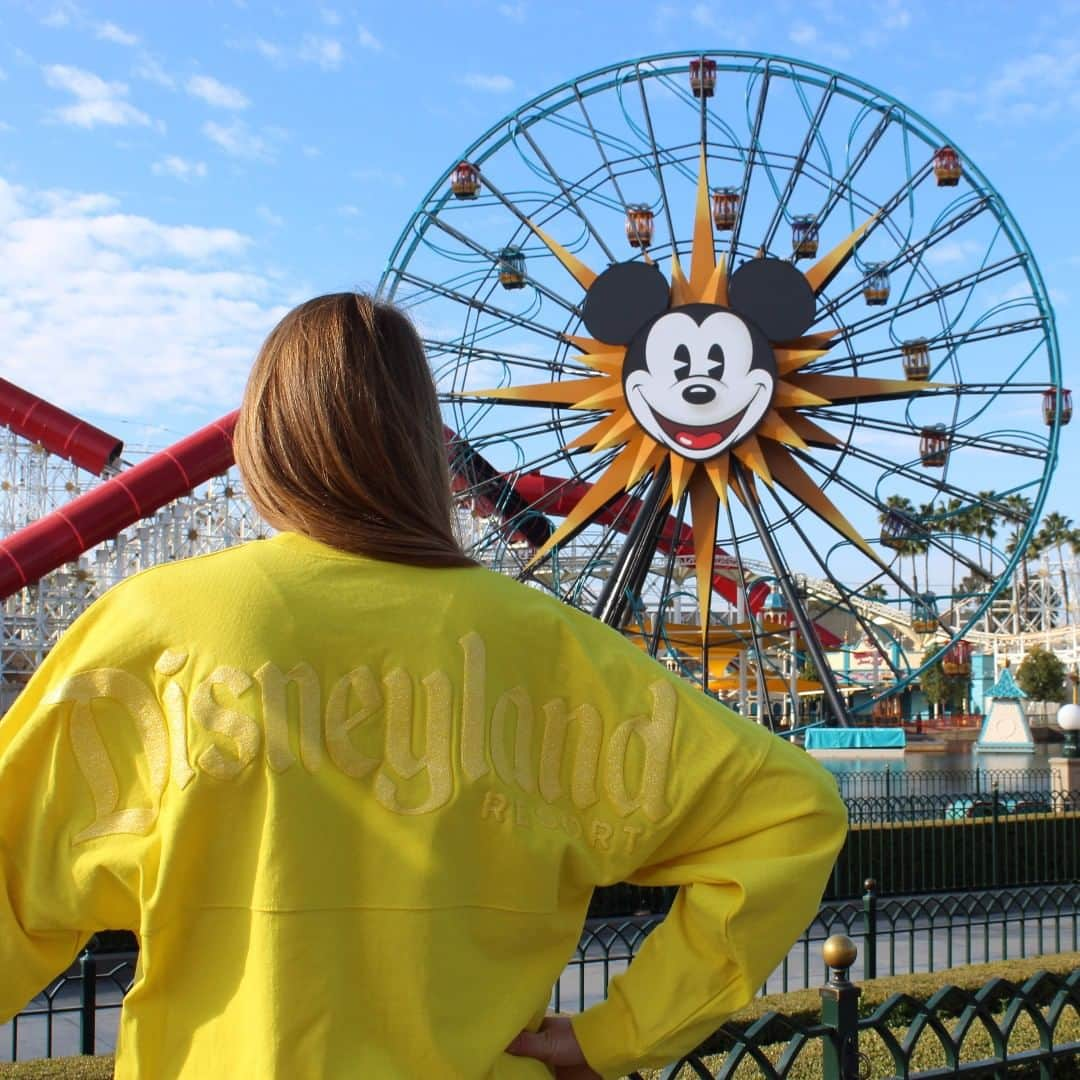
(349, 211)
(58, 17)
(491, 84)
(120, 314)
(180, 168)
(326, 52)
(109, 31)
(268, 215)
(311, 151)
(150, 69)
(97, 101)
(803, 34)
(3, 74)
(514, 12)
(367, 39)
(237, 140)
(330, 16)
(267, 49)
(215, 93)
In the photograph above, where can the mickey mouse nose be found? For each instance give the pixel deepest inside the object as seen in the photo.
(698, 395)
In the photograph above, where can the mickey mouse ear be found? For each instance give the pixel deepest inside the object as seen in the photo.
(772, 294)
(622, 300)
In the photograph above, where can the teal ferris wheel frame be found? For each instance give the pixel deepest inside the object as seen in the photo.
(562, 201)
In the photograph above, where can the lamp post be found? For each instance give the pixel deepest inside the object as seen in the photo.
(1068, 719)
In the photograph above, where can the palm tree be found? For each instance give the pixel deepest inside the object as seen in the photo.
(1020, 508)
(930, 515)
(1056, 531)
(902, 506)
(876, 591)
(985, 520)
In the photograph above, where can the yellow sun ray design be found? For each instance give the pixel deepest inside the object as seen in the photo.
(765, 454)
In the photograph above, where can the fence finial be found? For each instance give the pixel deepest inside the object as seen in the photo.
(839, 953)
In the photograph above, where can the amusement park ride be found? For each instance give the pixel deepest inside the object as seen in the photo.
(731, 349)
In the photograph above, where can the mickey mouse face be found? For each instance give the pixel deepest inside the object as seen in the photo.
(699, 378)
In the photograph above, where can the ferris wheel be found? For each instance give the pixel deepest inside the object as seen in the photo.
(728, 331)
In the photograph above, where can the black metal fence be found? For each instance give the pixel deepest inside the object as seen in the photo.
(64, 1018)
(888, 783)
(909, 1038)
(840, 1046)
(897, 935)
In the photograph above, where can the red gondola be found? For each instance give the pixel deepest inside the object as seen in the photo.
(465, 180)
(725, 207)
(947, 168)
(639, 225)
(957, 659)
(1049, 406)
(703, 77)
(934, 446)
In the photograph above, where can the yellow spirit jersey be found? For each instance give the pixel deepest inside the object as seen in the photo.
(355, 810)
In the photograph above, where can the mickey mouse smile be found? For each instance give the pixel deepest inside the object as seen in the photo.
(703, 437)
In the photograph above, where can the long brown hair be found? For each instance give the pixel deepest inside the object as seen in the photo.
(339, 435)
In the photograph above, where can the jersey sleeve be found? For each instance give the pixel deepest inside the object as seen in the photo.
(755, 829)
(78, 784)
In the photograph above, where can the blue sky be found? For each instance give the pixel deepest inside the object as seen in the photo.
(173, 177)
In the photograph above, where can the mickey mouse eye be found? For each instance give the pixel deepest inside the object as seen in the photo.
(682, 362)
(716, 358)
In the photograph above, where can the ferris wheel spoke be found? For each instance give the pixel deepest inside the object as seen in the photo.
(600, 150)
(656, 163)
(912, 254)
(482, 307)
(908, 472)
(524, 129)
(527, 431)
(787, 586)
(846, 602)
(905, 307)
(812, 135)
(454, 350)
(752, 152)
(494, 259)
(957, 439)
(743, 587)
(842, 186)
(950, 342)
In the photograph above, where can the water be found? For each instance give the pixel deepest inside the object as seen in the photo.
(947, 772)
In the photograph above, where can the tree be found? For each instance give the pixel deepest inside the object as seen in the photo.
(941, 689)
(1041, 675)
(1020, 508)
(902, 506)
(1056, 531)
(874, 592)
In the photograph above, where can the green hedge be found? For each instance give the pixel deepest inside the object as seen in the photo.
(927, 856)
(804, 1007)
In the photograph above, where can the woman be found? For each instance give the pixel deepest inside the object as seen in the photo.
(353, 792)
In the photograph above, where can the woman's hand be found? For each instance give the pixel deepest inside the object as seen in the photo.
(555, 1044)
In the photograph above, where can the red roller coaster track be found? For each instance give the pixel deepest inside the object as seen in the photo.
(39, 421)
